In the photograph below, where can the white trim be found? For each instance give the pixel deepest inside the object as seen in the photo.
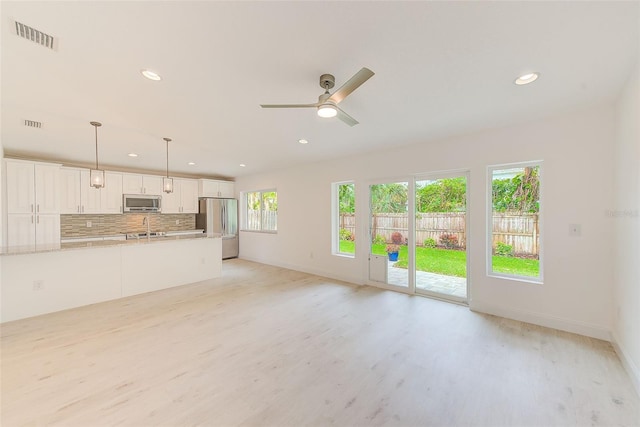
(628, 364)
(316, 272)
(540, 319)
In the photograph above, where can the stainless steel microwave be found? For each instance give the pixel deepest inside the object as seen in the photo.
(141, 203)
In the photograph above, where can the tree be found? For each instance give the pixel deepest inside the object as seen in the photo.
(520, 193)
(442, 195)
(346, 198)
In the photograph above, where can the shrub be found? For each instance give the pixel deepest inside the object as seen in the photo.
(430, 243)
(396, 238)
(346, 234)
(379, 240)
(392, 248)
(449, 241)
(502, 249)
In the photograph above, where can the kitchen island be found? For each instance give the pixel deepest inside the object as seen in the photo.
(53, 278)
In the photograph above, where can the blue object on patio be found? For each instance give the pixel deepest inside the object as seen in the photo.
(393, 256)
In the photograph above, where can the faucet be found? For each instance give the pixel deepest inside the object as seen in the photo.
(145, 220)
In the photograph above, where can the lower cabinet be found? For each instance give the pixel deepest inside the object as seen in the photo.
(31, 230)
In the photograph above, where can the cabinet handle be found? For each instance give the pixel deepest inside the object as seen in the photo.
(38, 207)
(31, 207)
(38, 219)
(31, 219)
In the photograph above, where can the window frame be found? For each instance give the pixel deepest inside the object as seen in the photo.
(539, 280)
(335, 219)
(245, 214)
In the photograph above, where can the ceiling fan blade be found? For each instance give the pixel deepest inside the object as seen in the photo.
(288, 105)
(352, 84)
(346, 118)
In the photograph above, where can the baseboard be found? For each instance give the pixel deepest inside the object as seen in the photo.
(627, 362)
(545, 320)
(315, 272)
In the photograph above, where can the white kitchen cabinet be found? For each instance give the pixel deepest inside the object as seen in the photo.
(189, 195)
(141, 184)
(32, 187)
(78, 196)
(183, 199)
(214, 188)
(33, 207)
(111, 197)
(70, 200)
(21, 231)
(47, 229)
(21, 190)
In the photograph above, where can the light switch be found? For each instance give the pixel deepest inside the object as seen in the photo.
(89, 224)
(575, 230)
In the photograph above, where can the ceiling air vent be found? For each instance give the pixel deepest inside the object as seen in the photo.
(32, 124)
(26, 32)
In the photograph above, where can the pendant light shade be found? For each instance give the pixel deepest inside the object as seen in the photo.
(96, 178)
(167, 183)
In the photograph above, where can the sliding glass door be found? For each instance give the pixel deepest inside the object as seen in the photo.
(441, 236)
(418, 235)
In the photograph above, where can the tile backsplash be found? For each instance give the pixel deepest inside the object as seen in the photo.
(104, 225)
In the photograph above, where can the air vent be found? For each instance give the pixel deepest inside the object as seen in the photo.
(26, 32)
(32, 124)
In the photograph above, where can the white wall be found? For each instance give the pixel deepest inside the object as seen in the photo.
(578, 168)
(625, 214)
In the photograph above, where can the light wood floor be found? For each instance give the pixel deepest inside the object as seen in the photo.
(267, 346)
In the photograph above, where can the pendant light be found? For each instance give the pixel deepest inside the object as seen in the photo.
(167, 183)
(96, 177)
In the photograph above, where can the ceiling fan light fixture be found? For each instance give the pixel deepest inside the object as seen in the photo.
(327, 111)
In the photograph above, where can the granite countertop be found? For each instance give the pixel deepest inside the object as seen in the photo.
(71, 244)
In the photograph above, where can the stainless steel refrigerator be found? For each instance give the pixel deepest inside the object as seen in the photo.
(219, 217)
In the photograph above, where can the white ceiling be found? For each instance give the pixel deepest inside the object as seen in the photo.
(442, 68)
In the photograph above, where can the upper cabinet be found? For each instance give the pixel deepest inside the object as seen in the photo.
(78, 196)
(141, 184)
(32, 187)
(183, 199)
(213, 188)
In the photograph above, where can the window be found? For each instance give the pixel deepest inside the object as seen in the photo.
(514, 221)
(344, 219)
(261, 210)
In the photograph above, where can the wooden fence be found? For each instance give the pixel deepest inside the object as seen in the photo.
(513, 228)
(269, 220)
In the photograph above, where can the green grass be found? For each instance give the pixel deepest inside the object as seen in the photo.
(516, 266)
(450, 262)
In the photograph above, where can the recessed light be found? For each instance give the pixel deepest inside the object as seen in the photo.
(191, 163)
(527, 78)
(303, 141)
(242, 165)
(151, 75)
(132, 155)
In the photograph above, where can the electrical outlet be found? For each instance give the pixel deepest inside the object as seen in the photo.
(38, 285)
(89, 224)
(177, 222)
(201, 260)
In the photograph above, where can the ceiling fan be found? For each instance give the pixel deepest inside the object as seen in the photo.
(327, 104)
